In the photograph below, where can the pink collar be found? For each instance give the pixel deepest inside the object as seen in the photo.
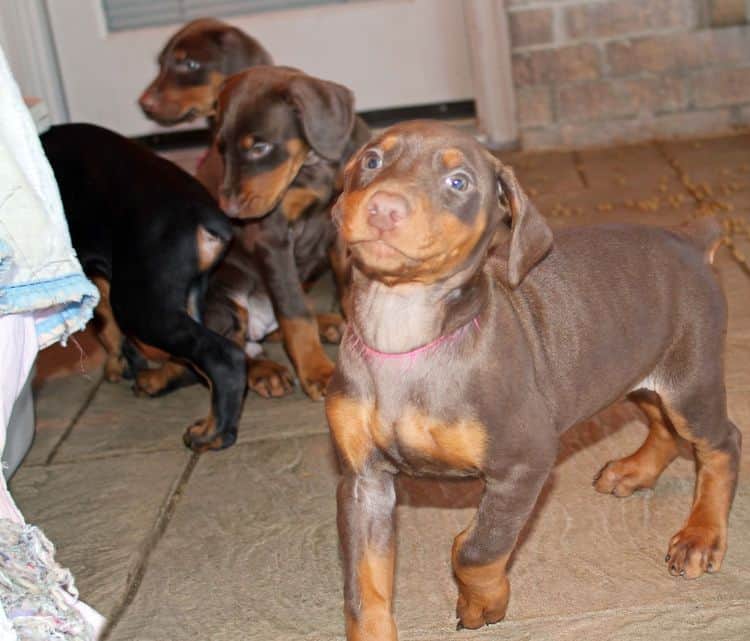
(411, 354)
(202, 159)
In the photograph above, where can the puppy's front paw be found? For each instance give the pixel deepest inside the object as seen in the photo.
(695, 550)
(314, 378)
(622, 478)
(478, 606)
(268, 378)
(331, 327)
(202, 436)
(115, 368)
(149, 382)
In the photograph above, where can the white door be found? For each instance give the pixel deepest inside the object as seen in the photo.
(391, 53)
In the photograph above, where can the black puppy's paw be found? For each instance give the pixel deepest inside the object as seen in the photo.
(202, 436)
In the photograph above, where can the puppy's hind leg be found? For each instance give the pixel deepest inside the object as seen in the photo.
(108, 332)
(700, 418)
(644, 466)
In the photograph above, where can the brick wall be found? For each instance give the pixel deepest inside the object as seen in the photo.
(593, 72)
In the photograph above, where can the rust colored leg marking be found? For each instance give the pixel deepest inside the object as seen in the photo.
(330, 327)
(302, 343)
(374, 621)
(701, 544)
(109, 333)
(483, 590)
(268, 378)
(153, 381)
(202, 436)
(642, 468)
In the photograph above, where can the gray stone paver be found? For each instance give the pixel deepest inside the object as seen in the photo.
(56, 405)
(99, 515)
(250, 551)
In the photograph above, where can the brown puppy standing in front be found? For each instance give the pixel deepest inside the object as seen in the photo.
(473, 343)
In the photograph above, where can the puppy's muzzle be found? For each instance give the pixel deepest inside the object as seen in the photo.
(386, 210)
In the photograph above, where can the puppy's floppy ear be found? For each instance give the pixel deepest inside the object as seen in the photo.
(240, 49)
(326, 111)
(530, 236)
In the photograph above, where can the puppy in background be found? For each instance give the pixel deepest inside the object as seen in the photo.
(283, 138)
(192, 66)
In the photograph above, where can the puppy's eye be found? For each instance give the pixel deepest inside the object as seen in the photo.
(457, 182)
(372, 160)
(188, 64)
(259, 150)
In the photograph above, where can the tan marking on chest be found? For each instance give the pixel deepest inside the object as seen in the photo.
(296, 200)
(460, 444)
(349, 420)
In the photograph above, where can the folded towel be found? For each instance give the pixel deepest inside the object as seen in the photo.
(39, 271)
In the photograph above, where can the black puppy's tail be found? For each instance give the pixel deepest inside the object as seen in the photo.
(705, 233)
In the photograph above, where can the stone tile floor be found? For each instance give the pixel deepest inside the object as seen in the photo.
(241, 545)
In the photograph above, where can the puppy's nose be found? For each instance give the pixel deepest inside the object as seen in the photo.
(147, 101)
(386, 210)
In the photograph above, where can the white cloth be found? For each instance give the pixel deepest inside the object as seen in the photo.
(39, 271)
(44, 296)
(17, 353)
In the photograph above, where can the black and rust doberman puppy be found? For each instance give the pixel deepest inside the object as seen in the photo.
(284, 137)
(192, 66)
(473, 344)
(147, 234)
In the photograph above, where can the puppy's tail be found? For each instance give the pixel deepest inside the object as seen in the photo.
(705, 233)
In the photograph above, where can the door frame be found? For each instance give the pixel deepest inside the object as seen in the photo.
(28, 40)
(29, 46)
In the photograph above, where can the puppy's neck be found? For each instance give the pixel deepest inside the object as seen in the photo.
(402, 318)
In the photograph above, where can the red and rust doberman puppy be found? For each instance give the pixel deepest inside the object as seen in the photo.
(192, 66)
(284, 137)
(474, 342)
(147, 234)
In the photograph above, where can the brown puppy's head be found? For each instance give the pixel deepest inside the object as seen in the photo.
(271, 121)
(192, 66)
(424, 201)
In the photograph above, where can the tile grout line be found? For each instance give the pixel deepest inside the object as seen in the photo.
(163, 520)
(578, 164)
(115, 454)
(73, 422)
